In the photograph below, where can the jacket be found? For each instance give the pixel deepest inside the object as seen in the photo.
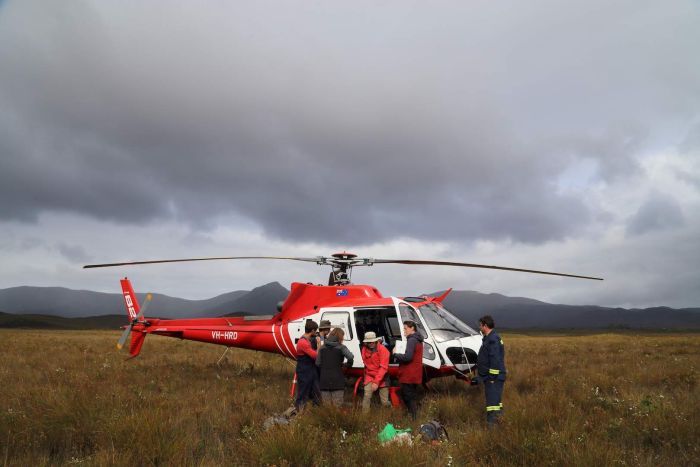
(411, 362)
(329, 359)
(490, 362)
(306, 356)
(376, 364)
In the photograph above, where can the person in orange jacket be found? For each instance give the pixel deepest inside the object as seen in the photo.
(376, 360)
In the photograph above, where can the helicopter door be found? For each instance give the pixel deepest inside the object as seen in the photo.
(407, 312)
(381, 320)
(341, 319)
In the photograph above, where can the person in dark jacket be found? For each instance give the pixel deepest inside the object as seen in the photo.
(307, 375)
(491, 367)
(410, 367)
(330, 361)
(324, 327)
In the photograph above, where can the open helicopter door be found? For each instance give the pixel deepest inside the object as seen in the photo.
(407, 312)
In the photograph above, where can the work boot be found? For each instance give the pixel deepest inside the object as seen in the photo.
(493, 419)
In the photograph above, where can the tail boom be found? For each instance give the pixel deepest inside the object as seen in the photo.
(265, 335)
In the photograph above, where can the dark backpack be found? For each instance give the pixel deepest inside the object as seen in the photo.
(433, 431)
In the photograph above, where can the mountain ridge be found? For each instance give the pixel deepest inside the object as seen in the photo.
(468, 305)
(71, 303)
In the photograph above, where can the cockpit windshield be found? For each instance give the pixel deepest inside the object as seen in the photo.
(443, 324)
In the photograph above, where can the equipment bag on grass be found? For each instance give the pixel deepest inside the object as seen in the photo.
(389, 432)
(433, 431)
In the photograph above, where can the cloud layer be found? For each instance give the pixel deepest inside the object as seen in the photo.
(538, 127)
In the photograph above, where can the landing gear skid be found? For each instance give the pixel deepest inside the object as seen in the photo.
(222, 356)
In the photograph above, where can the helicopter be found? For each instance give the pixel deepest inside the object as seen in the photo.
(450, 346)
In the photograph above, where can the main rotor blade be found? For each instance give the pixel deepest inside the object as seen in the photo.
(482, 266)
(132, 263)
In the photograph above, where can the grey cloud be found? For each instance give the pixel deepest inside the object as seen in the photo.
(29, 243)
(615, 150)
(9, 242)
(659, 212)
(73, 253)
(690, 149)
(320, 124)
(691, 143)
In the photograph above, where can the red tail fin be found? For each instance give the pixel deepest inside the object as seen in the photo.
(133, 311)
(130, 301)
(137, 339)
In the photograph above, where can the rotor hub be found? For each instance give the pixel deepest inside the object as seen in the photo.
(344, 255)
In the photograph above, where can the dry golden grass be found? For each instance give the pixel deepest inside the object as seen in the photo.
(68, 397)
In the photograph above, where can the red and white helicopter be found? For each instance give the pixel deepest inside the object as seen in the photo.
(450, 346)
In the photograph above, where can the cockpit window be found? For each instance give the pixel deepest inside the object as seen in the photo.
(443, 324)
(409, 314)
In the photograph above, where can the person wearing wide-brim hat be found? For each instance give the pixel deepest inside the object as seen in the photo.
(324, 328)
(376, 360)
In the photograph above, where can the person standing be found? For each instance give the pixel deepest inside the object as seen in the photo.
(492, 369)
(330, 362)
(410, 367)
(376, 360)
(307, 374)
(324, 328)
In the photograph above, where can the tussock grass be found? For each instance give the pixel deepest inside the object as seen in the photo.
(68, 397)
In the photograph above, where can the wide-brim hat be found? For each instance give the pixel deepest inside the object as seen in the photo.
(325, 324)
(371, 337)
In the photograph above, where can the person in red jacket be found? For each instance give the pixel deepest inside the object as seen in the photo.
(410, 366)
(307, 375)
(376, 360)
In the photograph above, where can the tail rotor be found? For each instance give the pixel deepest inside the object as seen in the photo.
(136, 320)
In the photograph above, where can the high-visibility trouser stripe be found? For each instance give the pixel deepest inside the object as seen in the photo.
(491, 408)
(500, 405)
(494, 372)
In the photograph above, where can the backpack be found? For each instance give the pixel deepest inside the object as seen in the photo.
(433, 431)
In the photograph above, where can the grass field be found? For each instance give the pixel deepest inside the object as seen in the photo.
(68, 397)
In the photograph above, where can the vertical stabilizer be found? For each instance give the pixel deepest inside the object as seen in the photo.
(130, 301)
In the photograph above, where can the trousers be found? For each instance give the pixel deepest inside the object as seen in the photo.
(333, 397)
(409, 392)
(307, 387)
(367, 399)
(493, 390)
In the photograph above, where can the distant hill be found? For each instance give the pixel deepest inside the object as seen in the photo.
(526, 313)
(69, 303)
(261, 300)
(59, 301)
(8, 320)
(40, 306)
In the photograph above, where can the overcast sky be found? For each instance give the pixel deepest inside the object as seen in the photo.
(549, 135)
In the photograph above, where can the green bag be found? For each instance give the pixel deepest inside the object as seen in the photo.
(389, 432)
